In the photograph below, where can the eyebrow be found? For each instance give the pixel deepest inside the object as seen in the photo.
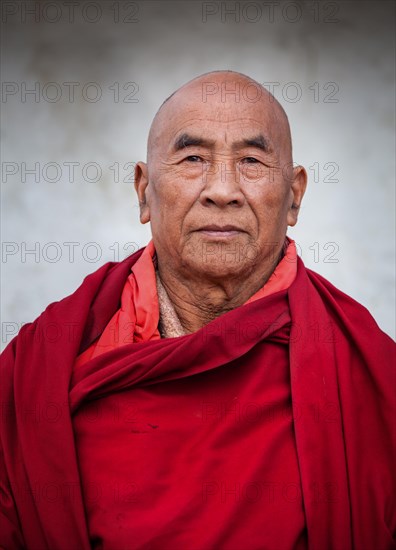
(187, 140)
(259, 142)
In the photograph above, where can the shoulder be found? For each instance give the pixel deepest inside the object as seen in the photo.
(342, 308)
(99, 290)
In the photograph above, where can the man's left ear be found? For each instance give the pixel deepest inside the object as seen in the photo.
(298, 186)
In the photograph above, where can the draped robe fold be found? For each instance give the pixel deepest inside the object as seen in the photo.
(339, 367)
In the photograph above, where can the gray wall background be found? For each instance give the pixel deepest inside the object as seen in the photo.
(330, 64)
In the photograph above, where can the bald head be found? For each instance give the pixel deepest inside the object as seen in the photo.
(227, 89)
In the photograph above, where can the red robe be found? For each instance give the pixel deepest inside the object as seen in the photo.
(137, 318)
(194, 442)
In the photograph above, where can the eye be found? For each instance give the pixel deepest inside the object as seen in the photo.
(194, 158)
(250, 160)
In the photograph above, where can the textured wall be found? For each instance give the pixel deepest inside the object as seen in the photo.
(329, 63)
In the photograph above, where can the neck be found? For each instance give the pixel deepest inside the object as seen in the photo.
(197, 300)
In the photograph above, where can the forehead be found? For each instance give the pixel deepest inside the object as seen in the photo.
(217, 129)
(193, 111)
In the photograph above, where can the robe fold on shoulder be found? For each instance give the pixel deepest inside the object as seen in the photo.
(272, 427)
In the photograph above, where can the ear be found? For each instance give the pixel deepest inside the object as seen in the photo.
(141, 183)
(297, 190)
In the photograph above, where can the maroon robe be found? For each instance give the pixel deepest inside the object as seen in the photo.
(271, 427)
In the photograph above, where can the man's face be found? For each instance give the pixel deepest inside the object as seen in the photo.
(218, 186)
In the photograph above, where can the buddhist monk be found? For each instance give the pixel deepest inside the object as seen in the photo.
(209, 392)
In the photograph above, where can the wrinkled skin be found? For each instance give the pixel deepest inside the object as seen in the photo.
(240, 173)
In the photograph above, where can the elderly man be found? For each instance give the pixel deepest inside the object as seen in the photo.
(208, 392)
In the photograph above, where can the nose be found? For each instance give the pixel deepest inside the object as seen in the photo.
(222, 186)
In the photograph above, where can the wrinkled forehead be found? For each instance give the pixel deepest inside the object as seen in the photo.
(226, 108)
(217, 132)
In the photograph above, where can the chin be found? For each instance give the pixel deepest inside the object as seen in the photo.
(220, 259)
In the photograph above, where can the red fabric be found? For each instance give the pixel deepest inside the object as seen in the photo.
(194, 412)
(342, 385)
(137, 318)
(202, 461)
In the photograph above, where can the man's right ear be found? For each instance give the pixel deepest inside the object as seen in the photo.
(141, 183)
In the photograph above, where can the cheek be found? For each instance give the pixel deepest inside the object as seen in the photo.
(269, 206)
(180, 183)
(170, 203)
(269, 198)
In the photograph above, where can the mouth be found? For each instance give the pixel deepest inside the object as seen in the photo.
(214, 230)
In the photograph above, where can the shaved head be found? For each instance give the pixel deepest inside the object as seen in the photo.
(222, 87)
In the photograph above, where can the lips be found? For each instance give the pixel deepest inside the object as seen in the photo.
(220, 228)
(215, 231)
